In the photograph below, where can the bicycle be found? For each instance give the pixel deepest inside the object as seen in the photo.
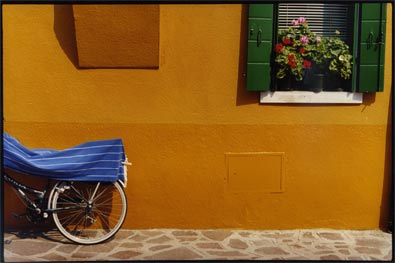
(85, 212)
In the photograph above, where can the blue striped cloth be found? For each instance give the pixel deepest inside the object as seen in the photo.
(92, 161)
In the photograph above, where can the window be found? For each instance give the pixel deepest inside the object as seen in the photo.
(361, 26)
(324, 19)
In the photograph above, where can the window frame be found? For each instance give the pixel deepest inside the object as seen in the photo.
(349, 40)
(264, 12)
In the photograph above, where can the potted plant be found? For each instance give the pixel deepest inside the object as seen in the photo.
(294, 50)
(340, 61)
(320, 61)
(305, 58)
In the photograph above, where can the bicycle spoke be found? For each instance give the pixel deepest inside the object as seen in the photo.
(104, 191)
(79, 223)
(70, 218)
(94, 221)
(78, 193)
(94, 192)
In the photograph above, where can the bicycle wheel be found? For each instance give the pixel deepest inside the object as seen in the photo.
(88, 212)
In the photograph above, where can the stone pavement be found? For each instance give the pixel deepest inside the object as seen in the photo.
(177, 244)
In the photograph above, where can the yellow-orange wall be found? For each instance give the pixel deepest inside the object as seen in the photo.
(178, 121)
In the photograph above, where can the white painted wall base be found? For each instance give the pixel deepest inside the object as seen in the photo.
(311, 97)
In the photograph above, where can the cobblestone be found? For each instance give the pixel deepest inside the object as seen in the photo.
(181, 244)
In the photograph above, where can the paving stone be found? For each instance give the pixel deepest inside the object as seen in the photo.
(344, 251)
(139, 237)
(29, 248)
(370, 242)
(279, 235)
(368, 250)
(9, 235)
(380, 234)
(132, 245)
(217, 235)
(83, 255)
(124, 234)
(271, 251)
(227, 253)
(296, 258)
(323, 252)
(374, 258)
(297, 246)
(331, 236)
(330, 257)
(263, 242)
(101, 248)
(159, 240)
(67, 248)
(244, 234)
(126, 254)
(210, 245)
(388, 256)
(151, 233)
(162, 244)
(184, 233)
(341, 246)
(54, 257)
(322, 247)
(308, 235)
(181, 253)
(159, 247)
(183, 239)
(357, 233)
(355, 258)
(16, 259)
(236, 243)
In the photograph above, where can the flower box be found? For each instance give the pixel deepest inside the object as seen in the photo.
(306, 61)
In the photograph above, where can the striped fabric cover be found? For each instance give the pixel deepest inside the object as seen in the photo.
(91, 161)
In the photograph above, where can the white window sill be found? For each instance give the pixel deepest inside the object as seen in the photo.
(311, 97)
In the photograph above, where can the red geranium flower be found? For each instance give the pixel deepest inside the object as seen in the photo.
(279, 47)
(306, 64)
(302, 50)
(287, 41)
(291, 61)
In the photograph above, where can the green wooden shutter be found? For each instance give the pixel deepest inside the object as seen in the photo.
(260, 38)
(370, 28)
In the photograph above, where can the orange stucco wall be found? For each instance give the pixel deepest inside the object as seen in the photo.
(179, 121)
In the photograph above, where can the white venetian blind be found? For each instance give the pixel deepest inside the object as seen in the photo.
(323, 18)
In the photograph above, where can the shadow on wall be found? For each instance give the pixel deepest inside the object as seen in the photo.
(65, 31)
(244, 97)
(387, 199)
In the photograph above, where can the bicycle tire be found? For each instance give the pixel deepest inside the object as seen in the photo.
(84, 218)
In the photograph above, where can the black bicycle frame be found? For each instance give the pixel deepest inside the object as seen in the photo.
(38, 206)
(20, 188)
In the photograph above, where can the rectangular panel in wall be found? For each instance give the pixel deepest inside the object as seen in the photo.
(117, 36)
